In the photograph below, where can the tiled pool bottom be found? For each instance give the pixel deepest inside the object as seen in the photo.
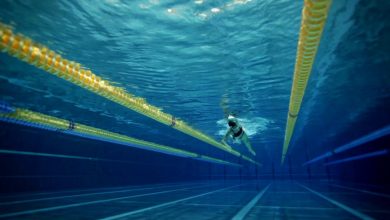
(204, 200)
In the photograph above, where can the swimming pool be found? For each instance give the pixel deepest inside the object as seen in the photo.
(99, 97)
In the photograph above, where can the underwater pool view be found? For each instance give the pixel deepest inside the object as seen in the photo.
(150, 109)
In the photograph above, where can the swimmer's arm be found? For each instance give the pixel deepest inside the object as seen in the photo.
(226, 136)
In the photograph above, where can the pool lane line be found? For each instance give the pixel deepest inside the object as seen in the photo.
(361, 190)
(245, 210)
(346, 208)
(313, 22)
(38, 55)
(29, 118)
(260, 206)
(372, 154)
(89, 194)
(350, 145)
(65, 156)
(360, 184)
(31, 194)
(35, 211)
(126, 214)
(297, 207)
(210, 205)
(102, 189)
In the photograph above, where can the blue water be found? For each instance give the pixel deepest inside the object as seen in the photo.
(198, 60)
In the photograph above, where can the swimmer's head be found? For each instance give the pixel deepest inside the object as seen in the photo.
(232, 124)
(232, 121)
(231, 118)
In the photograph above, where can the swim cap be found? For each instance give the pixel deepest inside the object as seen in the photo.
(232, 118)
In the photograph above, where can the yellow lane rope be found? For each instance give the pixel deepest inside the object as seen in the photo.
(28, 117)
(42, 57)
(314, 15)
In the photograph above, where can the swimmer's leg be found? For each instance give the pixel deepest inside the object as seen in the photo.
(245, 139)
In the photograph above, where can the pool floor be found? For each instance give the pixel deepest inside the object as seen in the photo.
(205, 200)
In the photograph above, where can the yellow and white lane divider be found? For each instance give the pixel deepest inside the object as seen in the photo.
(38, 120)
(25, 49)
(314, 15)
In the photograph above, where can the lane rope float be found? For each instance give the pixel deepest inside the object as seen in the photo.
(38, 120)
(38, 55)
(314, 15)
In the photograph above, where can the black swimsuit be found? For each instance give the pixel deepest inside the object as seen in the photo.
(238, 134)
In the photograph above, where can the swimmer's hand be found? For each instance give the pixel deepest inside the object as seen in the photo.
(252, 152)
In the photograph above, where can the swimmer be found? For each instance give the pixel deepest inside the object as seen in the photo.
(238, 133)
